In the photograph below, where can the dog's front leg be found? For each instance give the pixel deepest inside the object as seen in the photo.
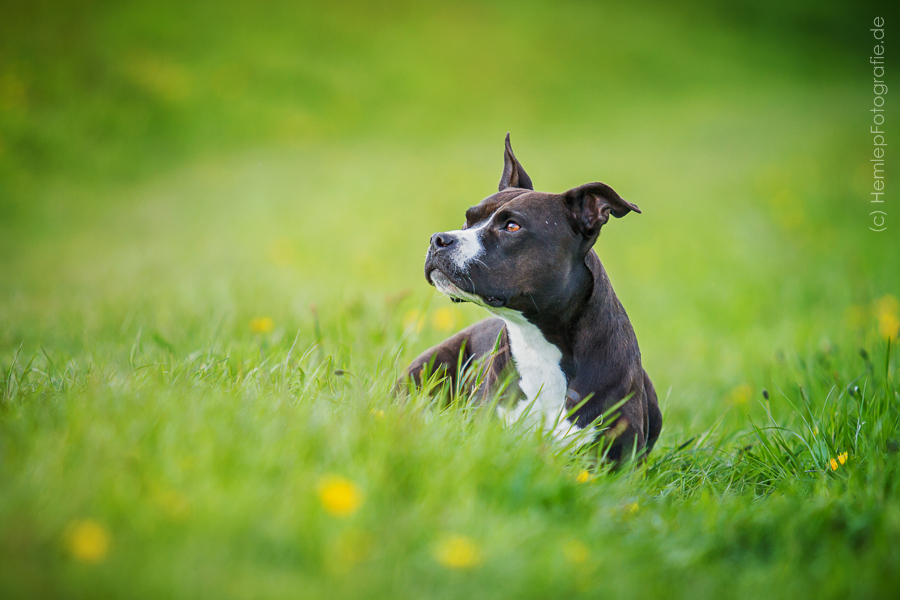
(449, 360)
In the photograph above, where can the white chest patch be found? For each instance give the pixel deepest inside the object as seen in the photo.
(537, 361)
(541, 380)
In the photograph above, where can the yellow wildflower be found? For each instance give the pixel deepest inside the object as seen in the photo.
(87, 540)
(583, 477)
(842, 458)
(457, 552)
(443, 319)
(834, 465)
(339, 497)
(887, 304)
(631, 508)
(887, 309)
(740, 394)
(261, 325)
(377, 413)
(575, 552)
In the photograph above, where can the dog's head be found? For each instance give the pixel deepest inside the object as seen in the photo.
(521, 249)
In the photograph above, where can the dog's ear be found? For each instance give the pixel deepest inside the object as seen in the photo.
(590, 205)
(513, 173)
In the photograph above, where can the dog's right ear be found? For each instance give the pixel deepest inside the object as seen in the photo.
(513, 173)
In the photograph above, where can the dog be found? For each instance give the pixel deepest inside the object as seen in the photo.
(528, 258)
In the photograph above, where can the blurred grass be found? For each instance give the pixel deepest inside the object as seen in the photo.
(169, 172)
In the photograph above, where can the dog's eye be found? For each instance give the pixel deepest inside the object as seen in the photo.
(512, 226)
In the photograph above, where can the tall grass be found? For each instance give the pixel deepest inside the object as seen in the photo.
(204, 471)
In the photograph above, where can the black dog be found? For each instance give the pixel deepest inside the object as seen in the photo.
(527, 258)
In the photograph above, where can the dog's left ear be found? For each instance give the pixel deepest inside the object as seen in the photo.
(513, 173)
(590, 205)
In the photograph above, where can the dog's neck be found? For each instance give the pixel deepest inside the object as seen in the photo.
(587, 309)
(544, 353)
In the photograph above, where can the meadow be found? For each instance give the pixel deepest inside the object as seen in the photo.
(213, 219)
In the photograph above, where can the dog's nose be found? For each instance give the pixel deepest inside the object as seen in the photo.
(442, 240)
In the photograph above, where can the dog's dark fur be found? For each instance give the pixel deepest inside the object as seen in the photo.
(547, 273)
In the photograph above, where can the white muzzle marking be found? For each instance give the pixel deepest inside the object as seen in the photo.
(468, 245)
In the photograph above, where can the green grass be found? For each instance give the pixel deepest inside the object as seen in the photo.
(204, 469)
(170, 172)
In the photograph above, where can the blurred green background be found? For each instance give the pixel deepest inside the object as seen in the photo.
(170, 171)
(163, 163)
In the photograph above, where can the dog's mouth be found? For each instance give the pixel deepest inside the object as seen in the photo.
(445, 285)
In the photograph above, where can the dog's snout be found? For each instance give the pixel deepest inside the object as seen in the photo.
(442, 240)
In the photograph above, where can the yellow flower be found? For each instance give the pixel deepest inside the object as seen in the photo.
(631, 508)
(887, 304)
(87, 540)
(887, 309)
(575, 552)
(457, 552)
(888, 324)
(443, 319)
(261, 325)
(842, 458)
(583, 477)
(834, 465)
(740, 394)
(339, 497)
(378, 414)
